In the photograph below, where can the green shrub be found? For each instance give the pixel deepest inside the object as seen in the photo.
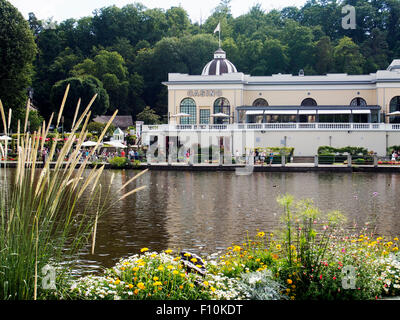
(326, 158)
(350, 150)
(118, 162)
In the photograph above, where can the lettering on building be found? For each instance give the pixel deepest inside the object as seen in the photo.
(204, 93)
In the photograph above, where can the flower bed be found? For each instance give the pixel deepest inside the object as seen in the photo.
(310, 258)
(389, 162)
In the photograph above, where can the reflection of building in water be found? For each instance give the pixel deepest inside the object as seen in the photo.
(301, 111)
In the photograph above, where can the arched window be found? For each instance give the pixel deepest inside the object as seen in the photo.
(260, 102)
(309, 102)
(222, 105)
(188, 106)
(358, 102)
(394, 106)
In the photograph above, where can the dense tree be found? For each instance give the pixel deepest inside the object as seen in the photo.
(148, 116)
(17, 52)
(131, 50)
(110, 69)
(347, 57)
(84, 88)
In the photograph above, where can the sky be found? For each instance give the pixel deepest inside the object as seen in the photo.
(61, 10)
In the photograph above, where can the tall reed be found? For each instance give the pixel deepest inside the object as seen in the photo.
(39, 221)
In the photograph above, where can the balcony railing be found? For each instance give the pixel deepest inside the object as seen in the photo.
(275, 127)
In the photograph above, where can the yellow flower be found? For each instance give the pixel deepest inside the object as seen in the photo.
(168, 251)
(141, 285)
(136, 291)
(181, 287)
(135, 269)
(194, 260)
(191, 285)
(175, 272)
(126, 263)
(117, 281)
(261, 234)
(157, 283)
(144, 250)
(199, 266)
(160, 268)
(395, 249)
(289, 281)
(153, 255)
(170, 267)
(236, 249)
(177, 258)
(396, 239)
(187, 255)
(389, 244)
(183, 275)
(206, 283)
(155, 278)
(292, 247)
(385, 252)
(278, 246)
(130, 286)
(212, 289)
(379, 238)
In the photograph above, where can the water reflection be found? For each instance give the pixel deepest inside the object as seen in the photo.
(208, 211)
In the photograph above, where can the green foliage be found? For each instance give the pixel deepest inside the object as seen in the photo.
(148, 116)
(83, 88)
(97, 128)
(132, 49)
(17, 52)
(323, 150)
(118, 162)
(392, 148)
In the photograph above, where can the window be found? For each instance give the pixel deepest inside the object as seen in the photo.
(394, 106)
(260, 103)
(204, 116)
(358, 102)
(309, 102)
(188, 106)
(222, 105)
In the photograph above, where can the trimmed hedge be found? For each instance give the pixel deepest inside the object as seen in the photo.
(350, 150)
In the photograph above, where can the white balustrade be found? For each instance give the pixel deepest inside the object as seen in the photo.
(274, 127)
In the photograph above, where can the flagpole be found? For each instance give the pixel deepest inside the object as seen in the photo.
(219, 35)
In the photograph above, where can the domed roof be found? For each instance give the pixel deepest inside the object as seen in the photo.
(219, 65)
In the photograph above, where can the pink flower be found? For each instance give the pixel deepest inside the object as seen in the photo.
(343, 250)
(320, 277)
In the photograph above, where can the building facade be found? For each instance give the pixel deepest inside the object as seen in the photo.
(300, 111)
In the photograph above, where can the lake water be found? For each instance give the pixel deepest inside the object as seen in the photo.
(207, 211)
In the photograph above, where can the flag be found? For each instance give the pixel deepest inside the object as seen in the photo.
(218, 28)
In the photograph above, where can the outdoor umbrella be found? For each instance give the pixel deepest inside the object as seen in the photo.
(115, 144)
(182, 114)
(220, 115)
(89, 144)
(179, 115)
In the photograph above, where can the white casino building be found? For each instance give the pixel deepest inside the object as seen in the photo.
(225, 107)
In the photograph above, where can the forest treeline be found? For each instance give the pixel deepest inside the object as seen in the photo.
(124, 54)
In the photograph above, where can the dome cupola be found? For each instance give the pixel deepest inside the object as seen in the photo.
(219, 65)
